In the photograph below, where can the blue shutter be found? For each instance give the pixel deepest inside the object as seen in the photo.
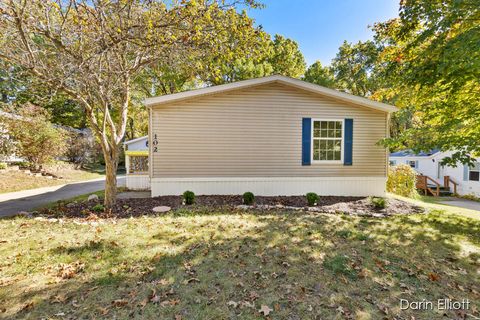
(465, 172)
(416, 164)
(348, 142)
(306, 140)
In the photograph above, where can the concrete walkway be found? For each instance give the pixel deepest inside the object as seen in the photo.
(27, 200)
(462, 203)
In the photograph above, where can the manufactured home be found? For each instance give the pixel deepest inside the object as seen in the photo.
(271, 136)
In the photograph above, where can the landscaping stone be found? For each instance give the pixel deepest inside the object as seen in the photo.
(92, 197)
(161, 209)
(24, 214)
(70, 205)
(244, 207)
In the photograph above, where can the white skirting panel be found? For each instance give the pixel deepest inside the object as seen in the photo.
(334, 186)
(138, 182)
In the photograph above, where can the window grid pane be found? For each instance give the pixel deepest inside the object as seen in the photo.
(327, 142)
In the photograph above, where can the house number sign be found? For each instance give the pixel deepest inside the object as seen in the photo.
(155, 143)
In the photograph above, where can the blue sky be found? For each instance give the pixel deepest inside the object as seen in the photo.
(320, 26)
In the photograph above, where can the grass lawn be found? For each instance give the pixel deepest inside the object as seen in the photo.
(230, 265)
(12, 181)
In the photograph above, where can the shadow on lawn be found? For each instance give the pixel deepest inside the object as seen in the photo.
(302, 265)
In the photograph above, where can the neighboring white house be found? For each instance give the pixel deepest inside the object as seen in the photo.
(136, 164)
(429, 164)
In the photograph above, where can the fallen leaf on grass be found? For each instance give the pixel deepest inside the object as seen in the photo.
(119, 303)
(68, 271)
(143, 303)
(232, 304)
(28, 306)
(154, 297)
(61, 298)
(191, 280)
(103, 311)
(172, 302)
(247, 304)
(433, 276)
(265, 310)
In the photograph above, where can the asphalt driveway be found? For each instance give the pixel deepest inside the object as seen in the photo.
(462, 203)
(27, 200)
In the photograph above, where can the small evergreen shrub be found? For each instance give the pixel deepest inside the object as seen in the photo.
(189, 197)
(378, 202)
(3, 166)
(98, 208)
(248, 198)
(401, 180)
(312, 198)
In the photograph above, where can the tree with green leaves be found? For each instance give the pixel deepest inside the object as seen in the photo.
(353, 67)
(431, 58)
(286, 58)
(318, 74)
(93, 51)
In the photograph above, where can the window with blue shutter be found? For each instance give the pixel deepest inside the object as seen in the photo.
(348, 143)
(306, 141)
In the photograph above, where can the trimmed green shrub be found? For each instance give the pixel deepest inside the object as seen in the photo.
(189, 197)
(312, 198)
(3, 166)
(98, 208)
(378, 202)
(401, 180)
(248, 198)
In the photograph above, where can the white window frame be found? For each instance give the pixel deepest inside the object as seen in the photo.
(474, 170)
(341, 141)
(414, 164)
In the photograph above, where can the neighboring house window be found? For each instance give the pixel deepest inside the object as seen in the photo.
(474, 172)
(327, 140)
(412, 164)
(393, 162)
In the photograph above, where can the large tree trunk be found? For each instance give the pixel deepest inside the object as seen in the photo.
(111, 165)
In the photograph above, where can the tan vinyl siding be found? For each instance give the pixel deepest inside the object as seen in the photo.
(257, 132)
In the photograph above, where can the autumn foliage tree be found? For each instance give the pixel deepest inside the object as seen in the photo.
(37, 140)
(93, 51)
(431, 61)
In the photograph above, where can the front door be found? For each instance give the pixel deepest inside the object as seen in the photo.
(440, 171)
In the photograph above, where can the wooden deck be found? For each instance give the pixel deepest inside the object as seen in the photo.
(431, 187)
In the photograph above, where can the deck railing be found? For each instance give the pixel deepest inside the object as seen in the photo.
(423, 183)
(446, 183)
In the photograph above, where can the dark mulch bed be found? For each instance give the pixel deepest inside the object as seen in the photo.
(329, 204)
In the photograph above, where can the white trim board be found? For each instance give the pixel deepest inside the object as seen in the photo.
(299, 84)
(268, 186)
